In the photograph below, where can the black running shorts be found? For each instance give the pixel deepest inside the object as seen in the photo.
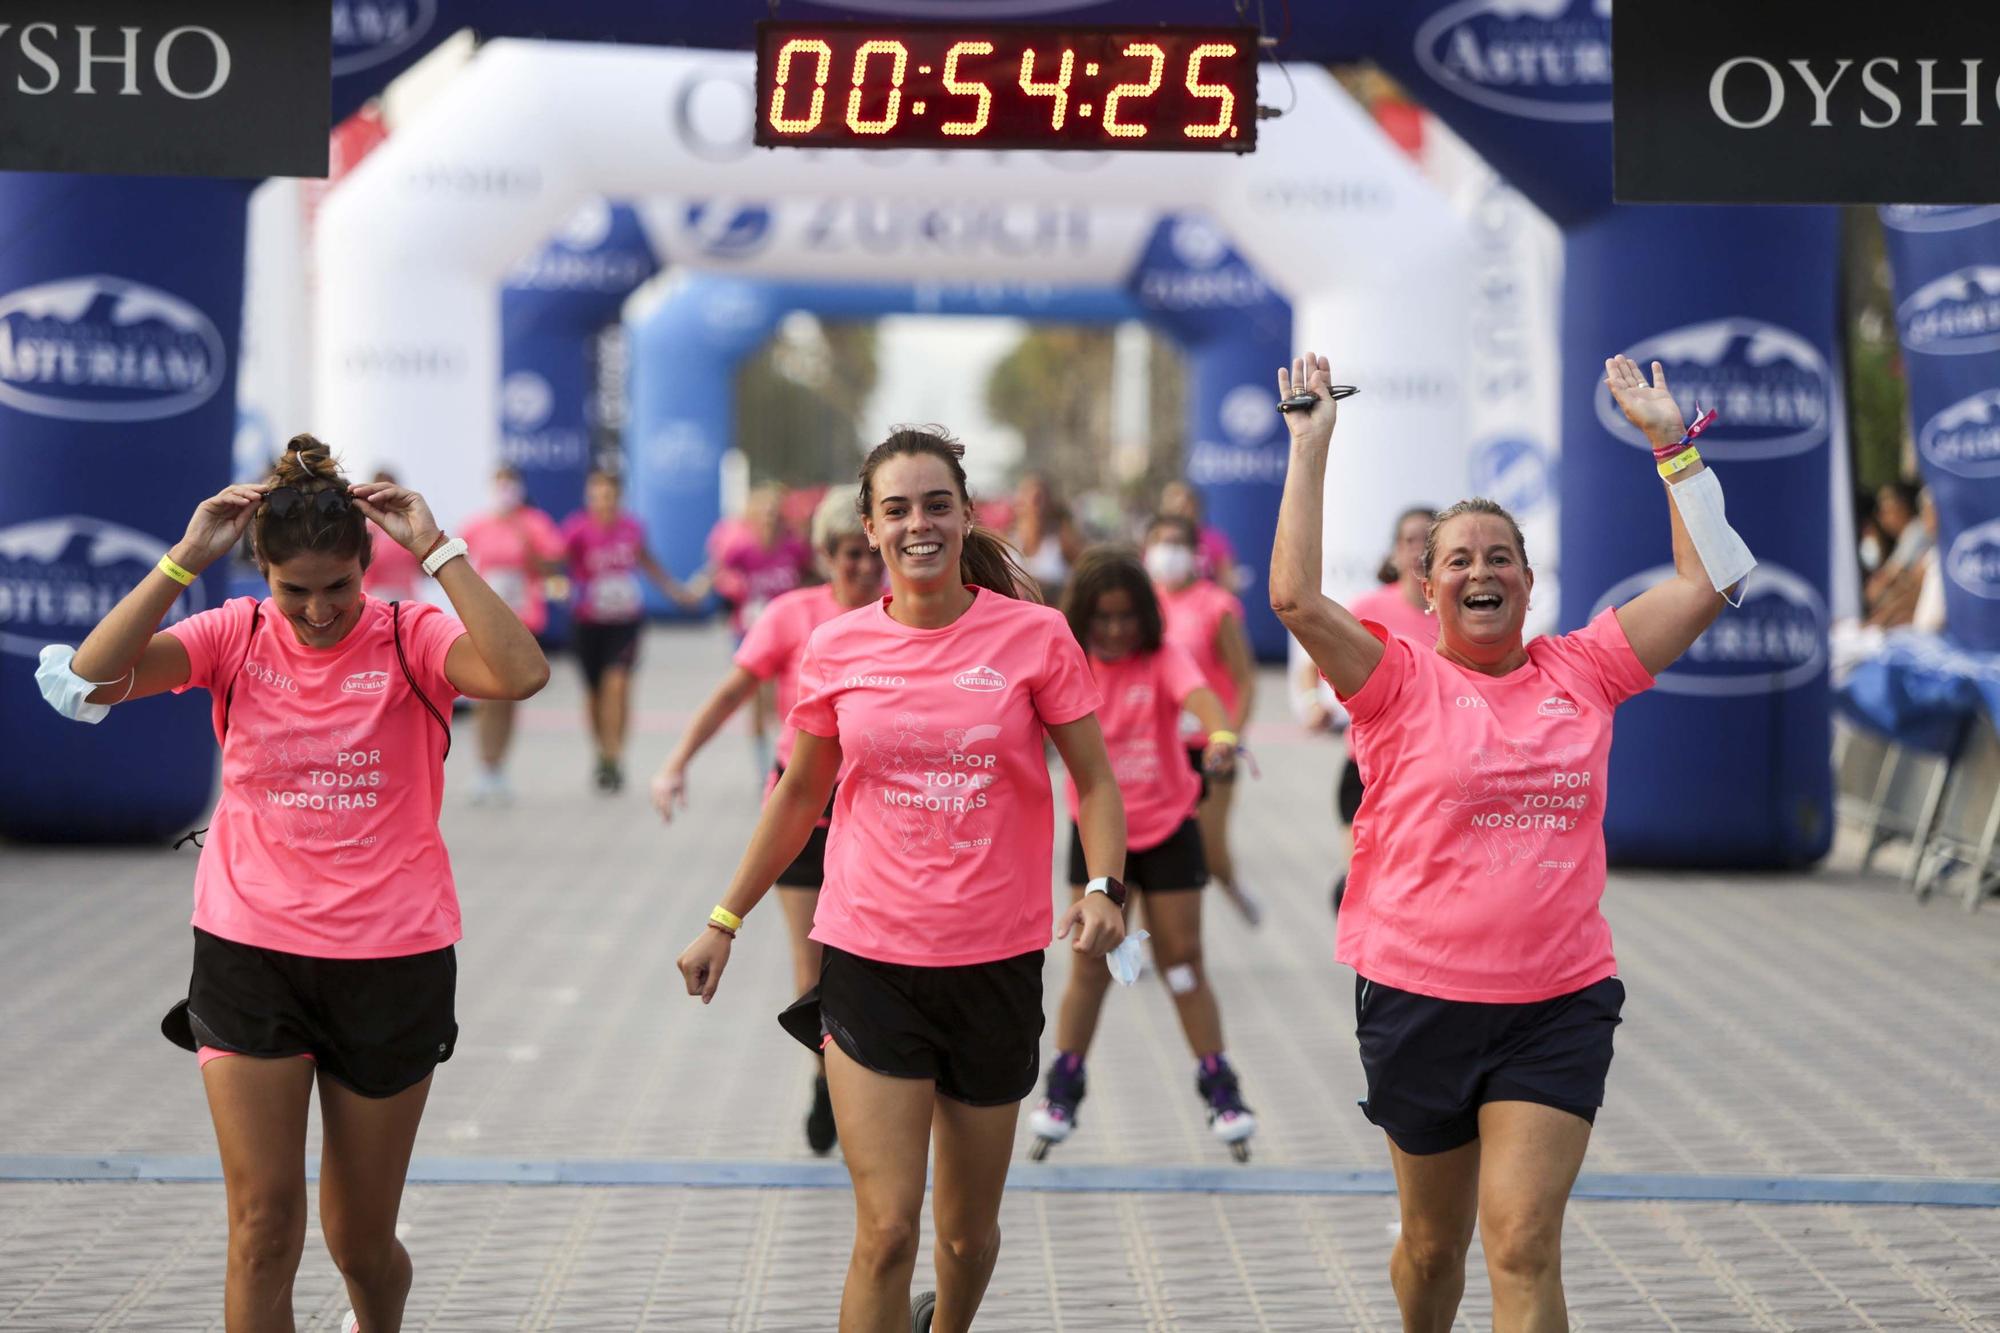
(1431, 1063)
(601, 648)
(975, 1031)
(808, 868)
(1177, 863)
(376, 1025)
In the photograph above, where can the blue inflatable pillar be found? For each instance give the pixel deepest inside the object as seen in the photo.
(1725, 762)
(121, 302)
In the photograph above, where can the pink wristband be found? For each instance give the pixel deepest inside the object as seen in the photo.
(1663, 452)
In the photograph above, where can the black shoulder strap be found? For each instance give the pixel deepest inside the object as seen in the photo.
(229, 695)
(396, 629)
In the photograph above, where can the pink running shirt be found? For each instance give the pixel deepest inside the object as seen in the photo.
(392, 571)
(325, 842)
(1140, 715)
(940, 849)
(1479, 847)
(774, 645)
(1192, 616)
(603, 564)
(750, 575)
(1387, 607)
(502, 547)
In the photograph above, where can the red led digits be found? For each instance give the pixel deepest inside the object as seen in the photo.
(822, 63)
(1222, 124)
(1112, 126)
(888, 119)
(952, 83)
(1059, 90)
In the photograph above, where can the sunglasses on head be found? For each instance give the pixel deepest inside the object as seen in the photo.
(285, 500)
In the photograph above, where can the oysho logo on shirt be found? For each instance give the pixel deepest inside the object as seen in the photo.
(980, 680)
(874, 682)
(366, 682)
(259, 672)
(1557, 706)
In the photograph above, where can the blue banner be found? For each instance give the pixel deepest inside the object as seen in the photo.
(1921, 690)
(120, 303)
(1236, 332)
(1947, 270)
(1739, 306)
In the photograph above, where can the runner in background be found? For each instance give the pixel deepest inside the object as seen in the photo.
(514, 546)
(392, 574)
(760, 562)
(1214, 557)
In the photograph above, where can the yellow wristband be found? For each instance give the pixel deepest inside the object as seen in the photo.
(184, 577)
(1223, 738)
(727, 919)
(1680, 462)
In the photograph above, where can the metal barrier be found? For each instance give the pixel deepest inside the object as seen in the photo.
(1966, 827)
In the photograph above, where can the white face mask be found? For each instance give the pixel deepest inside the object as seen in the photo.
(67, 692)
(1871, 553)
(1170, 563)
(1723, 554)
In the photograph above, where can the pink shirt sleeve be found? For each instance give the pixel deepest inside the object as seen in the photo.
(209, 638)
(428, 635)
(1065, 691)
(547, 539)
(1178, 671)
(1602, 655)
(814, 710)
(770, 640)
(1387, 681)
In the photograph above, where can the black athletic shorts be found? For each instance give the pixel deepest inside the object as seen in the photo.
(1177, 863)
(1350, 791)
(599, 648)
(975, 1031)
(376, 1025)
(1432, 1063)
(808, 868)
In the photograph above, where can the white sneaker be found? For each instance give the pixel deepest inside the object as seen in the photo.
(350, 1324)
(492, 788)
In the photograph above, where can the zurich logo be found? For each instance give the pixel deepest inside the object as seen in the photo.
(526, 401)
(1513, 472)
(1965, 437)
(1197, 242)
(1247, 414)
(728, 231)
(1543, 59)
(1776, 640)
(1974, 560)
(1938, 217)
(60, 576)
(367, 33)
(1956, 315)
(1770, 385)
(100, 348)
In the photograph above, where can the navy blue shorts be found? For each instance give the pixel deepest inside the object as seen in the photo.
(1432, 1063)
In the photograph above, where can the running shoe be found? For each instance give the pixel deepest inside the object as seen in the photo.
(609, 778)
(1228, 1118)
(492, 788)
(1055, 1119)
(922, 1310)
(349, 1323)
(821, 1133)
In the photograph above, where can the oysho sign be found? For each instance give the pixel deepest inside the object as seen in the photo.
(1800, 101)
(167, 87)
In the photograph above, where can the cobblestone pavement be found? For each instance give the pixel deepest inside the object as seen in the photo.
(1778, 1027)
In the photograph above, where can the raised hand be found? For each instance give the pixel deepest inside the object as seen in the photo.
(398, 511)
(1650, 407)
(1309, 372)
(217, 525)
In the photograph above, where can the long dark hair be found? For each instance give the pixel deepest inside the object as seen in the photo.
(307, 466)
(986, 561)
(1103, 569)
(1476, 505)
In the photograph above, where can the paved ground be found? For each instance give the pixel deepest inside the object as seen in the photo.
(1780, 1030)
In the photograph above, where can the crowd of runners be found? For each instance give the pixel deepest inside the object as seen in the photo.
(916, 667)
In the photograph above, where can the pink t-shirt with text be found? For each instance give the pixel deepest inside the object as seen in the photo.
(940, 847)
(325, 841)
(1387, 607)
(506, 549)
(1192, 615)
(750, 574)
(392, 572)
(1140, 717)
(1479, 847)
(775, 644)
(603, 566)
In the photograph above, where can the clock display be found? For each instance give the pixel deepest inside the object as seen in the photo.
(870, 85)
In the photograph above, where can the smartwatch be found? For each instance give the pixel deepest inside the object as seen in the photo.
(1109, 887)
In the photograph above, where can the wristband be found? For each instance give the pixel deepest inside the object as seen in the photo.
(450, 550)
(1680, 462)
(725, 919)
(1223, 737)
(184, 577)
(1702, 421)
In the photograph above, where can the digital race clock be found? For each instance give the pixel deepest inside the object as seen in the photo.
(870, 85)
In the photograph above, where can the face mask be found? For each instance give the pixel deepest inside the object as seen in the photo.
(66, 691)
(507, 495)
(1871, 553)
(1170, 563)
(1723, 554)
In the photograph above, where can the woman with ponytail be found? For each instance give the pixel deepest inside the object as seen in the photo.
(324, 910)
(935, 911)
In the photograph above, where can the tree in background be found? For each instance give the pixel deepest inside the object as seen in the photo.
(799, 402)
(1878, 397)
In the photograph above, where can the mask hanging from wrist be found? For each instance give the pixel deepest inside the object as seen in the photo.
(1723, 554)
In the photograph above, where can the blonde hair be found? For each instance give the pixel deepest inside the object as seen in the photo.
(837, 518)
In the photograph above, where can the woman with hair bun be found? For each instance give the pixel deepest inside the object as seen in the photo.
(324, 910)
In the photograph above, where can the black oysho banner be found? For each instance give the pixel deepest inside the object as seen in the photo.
(165, 87)
(1806, 101)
